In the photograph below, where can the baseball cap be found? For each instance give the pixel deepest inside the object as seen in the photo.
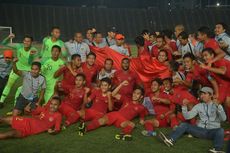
(119, 36)
(206, 90)
(8, 54)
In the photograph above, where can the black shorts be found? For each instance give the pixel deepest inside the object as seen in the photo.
(22, 102)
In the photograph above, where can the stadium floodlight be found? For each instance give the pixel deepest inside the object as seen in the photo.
(4, 32)
(217, 4)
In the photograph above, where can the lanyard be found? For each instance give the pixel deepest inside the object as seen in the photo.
(77, 47)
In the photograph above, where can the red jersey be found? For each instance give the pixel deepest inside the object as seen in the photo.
(130, 76)
(211, 43)
(90, 73)
(161, 108)
(155, 51)
(130, 110)
(201, 75)
(173, 45)
(42, 121)
(223, 63)
(181, 93)
(100, 102)
(74, 96)
(68, 77)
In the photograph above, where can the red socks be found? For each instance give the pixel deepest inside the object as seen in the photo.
(148, 126)
(127, 130)
(94, 124)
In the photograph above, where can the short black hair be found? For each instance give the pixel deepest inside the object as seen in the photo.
(224, 25)
(56, 46)
(189, 55)
(166, 53)
(124, 59)
(55, 27)
(81, 75)
(30, 37)
(91, 53)
(139, 40)
(108, 59)
(153, 34)
(205, 30)
(107, 80)
(174, 65)
(168, 33)
(74, 56)
(183, 35)
(145, 31)
(57, 98)
(209, 50)
(168, 79)
(158, 80)
(38, 64)
(137, 87)
(161, 36)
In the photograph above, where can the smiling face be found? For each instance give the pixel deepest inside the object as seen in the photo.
(35, 70)
(104, 86)
(90, 60)
(160, 42)
(207, 56)
(27, 42)
(54, 105)
(162, 57)
(137, 95)
(155, 86)
(188, 63)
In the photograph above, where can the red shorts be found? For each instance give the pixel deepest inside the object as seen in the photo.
(162, 122)
(66, 110)
(115, 118)
(91, 114)
(22, 125)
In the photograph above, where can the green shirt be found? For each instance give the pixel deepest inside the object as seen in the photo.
(50, 67)
(24, 58)
(47, 47)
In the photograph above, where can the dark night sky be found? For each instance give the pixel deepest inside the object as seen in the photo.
(124, 4)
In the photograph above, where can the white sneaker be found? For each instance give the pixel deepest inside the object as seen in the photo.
(168, 142)
(213, 150)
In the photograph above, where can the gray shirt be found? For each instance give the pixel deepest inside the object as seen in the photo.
(210, 114)
(224, 37)
(78, 48)
(120, 49)
(5, 67)
(109, 42)
(31, 85)
(188, 48)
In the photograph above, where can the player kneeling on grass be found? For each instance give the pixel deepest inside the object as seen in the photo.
(131, 108)
(43, 120)
(33, 85)
(208, 126)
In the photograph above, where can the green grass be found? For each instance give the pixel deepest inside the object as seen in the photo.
(99, 141)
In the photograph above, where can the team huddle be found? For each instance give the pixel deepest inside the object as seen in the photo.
(63, 85)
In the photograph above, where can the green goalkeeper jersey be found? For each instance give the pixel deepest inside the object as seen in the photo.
(50, 67)
(47, 47)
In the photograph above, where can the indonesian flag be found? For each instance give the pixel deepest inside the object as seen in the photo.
(145, 66)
